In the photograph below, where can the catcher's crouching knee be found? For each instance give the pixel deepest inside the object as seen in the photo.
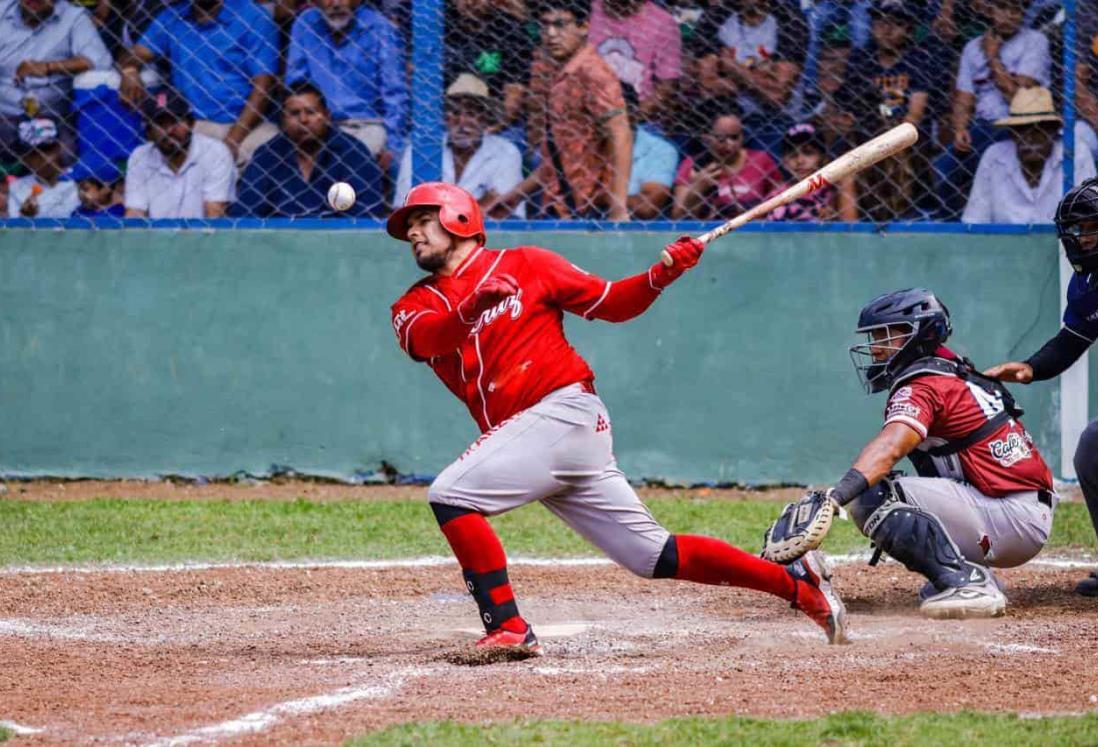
(869, 502)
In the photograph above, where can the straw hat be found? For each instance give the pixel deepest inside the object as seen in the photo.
(1030, 106)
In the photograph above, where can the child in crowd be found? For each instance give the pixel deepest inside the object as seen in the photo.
(802, 155)
(98, 180)
(42, 193)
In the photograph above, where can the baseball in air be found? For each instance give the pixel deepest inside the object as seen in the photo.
(341, 196)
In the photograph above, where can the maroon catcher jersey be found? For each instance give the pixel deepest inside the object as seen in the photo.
(942, 407)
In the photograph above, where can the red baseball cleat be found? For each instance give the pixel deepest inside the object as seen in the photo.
(814, 595)
(521, 644)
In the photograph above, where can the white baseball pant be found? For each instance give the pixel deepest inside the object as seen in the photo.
(558, 452)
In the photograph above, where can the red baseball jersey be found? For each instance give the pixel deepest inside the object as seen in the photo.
(515, 353)
(941, 407)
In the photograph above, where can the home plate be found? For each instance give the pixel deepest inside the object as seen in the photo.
(563, 630)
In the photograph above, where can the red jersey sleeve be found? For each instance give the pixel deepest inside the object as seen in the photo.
(425, 324)
(916, 405)
(590, 296)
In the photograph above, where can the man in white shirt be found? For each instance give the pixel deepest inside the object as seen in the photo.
(994, 67)
(179, 173)
(1020, 180)
(482, 164)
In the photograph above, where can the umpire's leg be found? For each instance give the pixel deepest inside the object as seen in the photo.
(1086, 468)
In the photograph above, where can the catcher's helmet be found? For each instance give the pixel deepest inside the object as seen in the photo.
(927, 326)
(458, 211)
(1079, 205)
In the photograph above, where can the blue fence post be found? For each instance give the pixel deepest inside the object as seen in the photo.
(1069, 94)
(427, 30)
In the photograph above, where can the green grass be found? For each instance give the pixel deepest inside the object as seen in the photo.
(852, 728)
(4, 734)
(36, 532)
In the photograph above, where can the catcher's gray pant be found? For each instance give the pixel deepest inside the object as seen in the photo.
(1000, 532)
(558, 452)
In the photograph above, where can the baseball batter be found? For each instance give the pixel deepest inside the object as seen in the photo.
(983, 495)
(489, 324)
(1077, 227)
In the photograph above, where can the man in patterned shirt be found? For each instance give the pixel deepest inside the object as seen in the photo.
(578, 114)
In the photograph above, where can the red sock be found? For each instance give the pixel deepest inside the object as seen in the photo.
(480, 554)
(706, 560)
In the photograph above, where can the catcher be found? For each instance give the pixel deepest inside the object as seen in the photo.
(983, 496)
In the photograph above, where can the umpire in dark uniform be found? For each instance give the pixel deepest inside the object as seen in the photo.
(1077, 227)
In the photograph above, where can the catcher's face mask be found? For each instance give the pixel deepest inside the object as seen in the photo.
(872, 358)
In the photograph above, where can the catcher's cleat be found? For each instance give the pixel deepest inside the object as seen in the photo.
(521, 645)
(814, 595)
(1088, 587)
(978, 596)
(929, 590)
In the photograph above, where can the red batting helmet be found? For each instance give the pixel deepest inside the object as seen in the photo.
(458, 211)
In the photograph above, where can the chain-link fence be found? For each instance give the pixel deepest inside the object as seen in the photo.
(606, 110)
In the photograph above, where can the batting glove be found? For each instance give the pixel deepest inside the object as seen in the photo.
(487, 295)
(685, 253)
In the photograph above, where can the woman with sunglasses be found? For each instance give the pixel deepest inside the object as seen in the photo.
(726, 178)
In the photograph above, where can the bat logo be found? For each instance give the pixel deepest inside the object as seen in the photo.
(816, 182)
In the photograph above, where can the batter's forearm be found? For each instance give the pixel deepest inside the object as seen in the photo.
(1057, 355)
(625, 299)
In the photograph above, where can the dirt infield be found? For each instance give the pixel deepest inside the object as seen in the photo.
(295, 655)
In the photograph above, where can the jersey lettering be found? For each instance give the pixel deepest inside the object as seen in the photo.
(1010, 450)
(991, 404)
(512, 303)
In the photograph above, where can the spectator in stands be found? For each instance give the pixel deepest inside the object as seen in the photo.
(892, 72)
(803, 154)
(289, 176)
(728, 178)
(821, 16)
(993, 67)
(1086, 67)
(96, 179)
(579, 114)
(43, 44)
(224, 61)
(891, 80)
(1020, 180)
(493, 45)
(755, 54)
(832, 63)
(42, 193)
(655, 162)
(356, 58)
(487, 166)
(641, 43)
(179, 173)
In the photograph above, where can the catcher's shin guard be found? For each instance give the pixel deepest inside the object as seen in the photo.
(919, 541)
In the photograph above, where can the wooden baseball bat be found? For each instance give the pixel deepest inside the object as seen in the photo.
(865, 155)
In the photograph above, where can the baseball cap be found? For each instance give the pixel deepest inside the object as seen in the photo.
(893, 8)
(802, 134)
(37, 132)
(468, 84)
(166, 102)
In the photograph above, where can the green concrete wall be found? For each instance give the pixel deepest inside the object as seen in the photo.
(139, 353)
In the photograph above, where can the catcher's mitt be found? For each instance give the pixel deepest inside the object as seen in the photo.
(801, 528)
